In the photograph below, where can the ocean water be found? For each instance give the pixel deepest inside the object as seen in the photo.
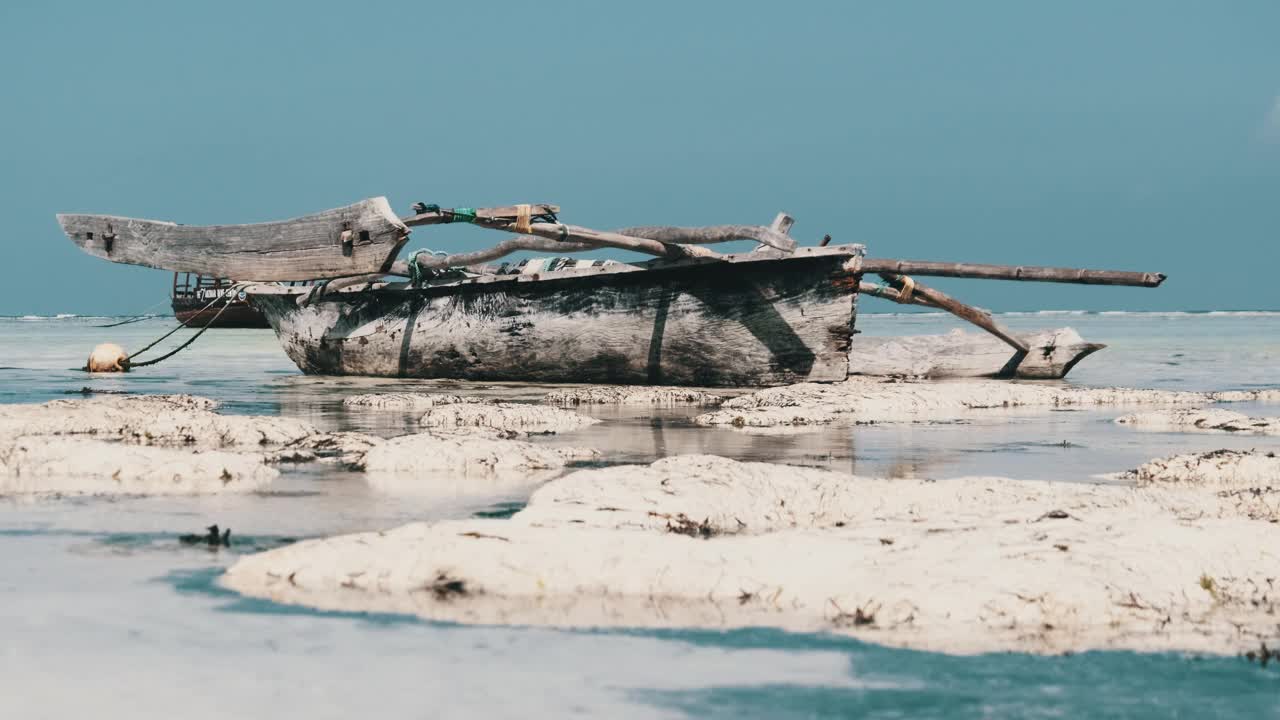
(103, 613)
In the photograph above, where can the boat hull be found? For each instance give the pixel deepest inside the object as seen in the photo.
(236, 315)
(750, 323)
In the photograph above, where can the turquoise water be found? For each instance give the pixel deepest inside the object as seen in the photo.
(103, 612)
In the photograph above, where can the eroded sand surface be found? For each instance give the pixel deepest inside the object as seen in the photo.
(80, 465)
(406, 400)
(1202, 419)
(177, 420)
(1179, 553)
(874, 400)
(964, 565)
(418, 462)
(631, 395)
(179, 444)
(1217, 468)
(505, 416)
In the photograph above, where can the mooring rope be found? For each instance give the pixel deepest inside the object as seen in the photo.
(136, 318)
(181, 324)
(145, 315)
(190, 340)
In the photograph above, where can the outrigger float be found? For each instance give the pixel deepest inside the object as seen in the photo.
(774, 315)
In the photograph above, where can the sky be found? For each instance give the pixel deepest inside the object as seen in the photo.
(1138, 135)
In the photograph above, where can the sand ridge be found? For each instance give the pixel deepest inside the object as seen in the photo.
(962, 565)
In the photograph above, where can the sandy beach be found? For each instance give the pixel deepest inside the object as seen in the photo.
(1173, 554)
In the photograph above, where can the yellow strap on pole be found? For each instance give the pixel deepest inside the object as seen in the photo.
(524, 215)
(907, 292)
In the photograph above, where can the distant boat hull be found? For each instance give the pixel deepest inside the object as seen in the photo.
(212, 302)
(752, 321)
(238, 315)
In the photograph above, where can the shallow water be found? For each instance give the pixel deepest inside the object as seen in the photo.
(102, 611)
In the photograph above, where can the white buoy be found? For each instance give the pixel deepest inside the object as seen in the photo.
(108, 357)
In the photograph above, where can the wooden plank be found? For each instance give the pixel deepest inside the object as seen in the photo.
(782, 223)
(763, 322)
(1013, 272)
(357, 239)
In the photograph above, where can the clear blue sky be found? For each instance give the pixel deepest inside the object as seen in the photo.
(1134, 135)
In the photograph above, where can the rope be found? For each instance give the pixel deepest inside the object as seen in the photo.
(136, 318)
(190, 340)
(182, 324)
(230, 291)
(907, 291)
(145, 315)
(524, 216)
(419, 274)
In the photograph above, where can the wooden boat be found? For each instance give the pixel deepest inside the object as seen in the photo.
(746, 320)
(201, 301)
(776, 315)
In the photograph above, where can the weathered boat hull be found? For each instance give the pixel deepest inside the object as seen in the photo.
(354, 240)
(754, 321)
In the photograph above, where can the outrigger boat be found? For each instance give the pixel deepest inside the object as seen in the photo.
(774, 315)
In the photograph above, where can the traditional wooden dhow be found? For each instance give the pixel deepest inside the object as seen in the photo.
(778, 314)
(198, 301)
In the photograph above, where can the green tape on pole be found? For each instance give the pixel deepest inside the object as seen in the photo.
(463, 215)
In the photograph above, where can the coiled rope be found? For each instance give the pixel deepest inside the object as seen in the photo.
(419, 274)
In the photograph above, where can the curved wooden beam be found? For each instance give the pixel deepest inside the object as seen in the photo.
(929, 297)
